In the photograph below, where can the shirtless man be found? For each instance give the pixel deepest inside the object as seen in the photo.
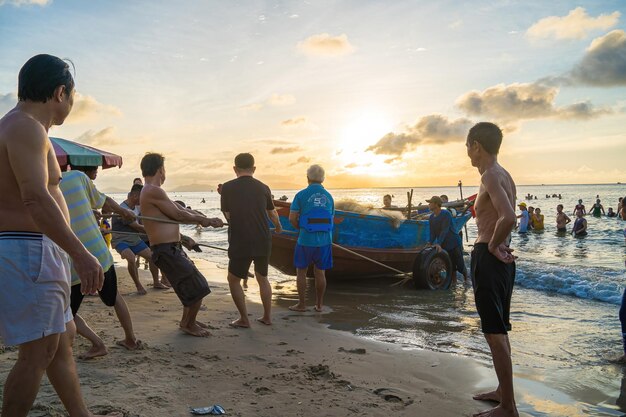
(493, 264)
(188, 283)
(36, 242)
(562, 219)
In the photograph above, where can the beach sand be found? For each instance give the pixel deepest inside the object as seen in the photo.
(296, 367)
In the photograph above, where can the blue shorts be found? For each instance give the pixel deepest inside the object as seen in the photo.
(35, 281)
(321, 256)
(122, 246)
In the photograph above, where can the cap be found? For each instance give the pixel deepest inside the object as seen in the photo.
(435, 199)
(523, 204)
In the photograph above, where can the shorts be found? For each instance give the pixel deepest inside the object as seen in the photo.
(320, 256)
(35, 280)
(493, 282)
(456, 257)
(239, 266)
(122, 246)
(561, 229)
(108, 293)
(188, 283)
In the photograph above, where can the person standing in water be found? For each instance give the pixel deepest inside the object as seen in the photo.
(580, 225)
(493, 264)
(597, 208)
(562, 219)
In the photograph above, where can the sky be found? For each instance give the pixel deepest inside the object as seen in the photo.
(380, 93)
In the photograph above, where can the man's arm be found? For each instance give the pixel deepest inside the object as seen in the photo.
(273, 215)
(158, 197)
(111, 205)
(567, 219)
(294, 218)
(28, 157)
(506, 216)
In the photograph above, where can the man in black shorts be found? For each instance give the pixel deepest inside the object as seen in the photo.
(493, 265)
(167, 252)
(247, 203)
(82, 196)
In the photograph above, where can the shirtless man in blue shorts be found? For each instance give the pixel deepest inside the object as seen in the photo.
(493, 265)
(36, 243)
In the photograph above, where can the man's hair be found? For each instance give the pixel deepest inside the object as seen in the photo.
(135, 179)
(387, 196)
(84, 168)
(244, 161)
(560, 205)
(150, 164)
(41, 75)
(315, 173)
(180, 203)
(488, 135)
(136, 188)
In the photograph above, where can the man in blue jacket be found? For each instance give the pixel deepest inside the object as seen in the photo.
(443, 236)
(312, 213)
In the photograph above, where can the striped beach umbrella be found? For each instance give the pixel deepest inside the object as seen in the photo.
(73, 153)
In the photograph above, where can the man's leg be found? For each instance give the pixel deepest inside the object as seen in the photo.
(130, 342)
(154, 270)
(129, 256)
(265, 289)
(188, 322)
(234, 283)
(63, 376)
(301, 285)
(97, 345)
(320, 287)
(22, 384)
(501, 354)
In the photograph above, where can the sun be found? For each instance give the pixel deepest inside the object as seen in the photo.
(364, 129)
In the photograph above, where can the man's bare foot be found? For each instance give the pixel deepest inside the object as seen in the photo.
(130, 345)
(160, 286)
(242, 324)
(265, 321)
(203, 325)
(492, 396)
(498, 411)
(318, 309)
(141, 291)
(195, 330)
(298, 307)
(94, 352)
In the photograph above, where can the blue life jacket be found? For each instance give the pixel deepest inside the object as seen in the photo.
(316, 220)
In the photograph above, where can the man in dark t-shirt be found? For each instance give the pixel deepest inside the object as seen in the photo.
(247, 203)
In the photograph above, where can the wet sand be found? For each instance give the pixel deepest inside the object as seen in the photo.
(297, 367)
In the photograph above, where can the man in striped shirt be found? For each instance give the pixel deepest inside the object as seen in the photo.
(82, 197)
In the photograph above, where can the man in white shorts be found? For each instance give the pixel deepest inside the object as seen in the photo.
(36, 243)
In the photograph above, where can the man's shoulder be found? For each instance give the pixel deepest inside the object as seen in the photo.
(19, 126)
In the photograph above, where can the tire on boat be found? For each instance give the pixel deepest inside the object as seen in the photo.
(432, 270)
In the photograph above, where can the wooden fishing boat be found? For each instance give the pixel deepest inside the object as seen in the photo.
(370, 245)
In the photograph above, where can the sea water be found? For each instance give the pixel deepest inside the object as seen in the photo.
(564, 310)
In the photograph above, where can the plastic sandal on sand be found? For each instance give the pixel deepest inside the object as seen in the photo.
(214, 410)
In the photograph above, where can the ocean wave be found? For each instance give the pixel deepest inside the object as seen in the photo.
(598, 284)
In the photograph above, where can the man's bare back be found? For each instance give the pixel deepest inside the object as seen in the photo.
(17, 129)
(486, 214)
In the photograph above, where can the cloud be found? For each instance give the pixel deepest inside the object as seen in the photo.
(281, 100)
(523, 101)
(326, 45)
(434, 129)
(87, 108)
(604, 63)
(19, 3)
(104, 137)
(576, 25)
(251, 107)
(294, 122)
(301, 160)
(7, 102)
(281, 150)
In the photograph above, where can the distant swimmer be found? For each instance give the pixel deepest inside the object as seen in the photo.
(524, 218)
(387, 202)
(580, 225)
(610, 212)
(493, 264)
(580, 207)
(562, 219)
(537, 220)
(203, 201)
(596, 209)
